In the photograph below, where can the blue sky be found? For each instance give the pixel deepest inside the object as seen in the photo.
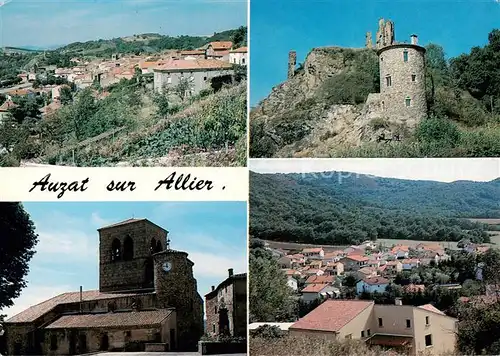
(214, 234)
(278, 26)
(57, 22)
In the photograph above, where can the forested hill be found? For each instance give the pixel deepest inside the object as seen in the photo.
(345, 208)
(152, 42)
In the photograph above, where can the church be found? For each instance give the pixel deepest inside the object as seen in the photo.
(147, 301)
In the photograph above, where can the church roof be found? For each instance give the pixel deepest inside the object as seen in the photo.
(129, 221)
(109, 320)
(38, 310)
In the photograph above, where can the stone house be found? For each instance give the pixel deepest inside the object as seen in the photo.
(354, 262)
(334, 268)
(285, 262)
(226, 307)
(147, 300)
(5, 109)
(198, 75)
(403, 328)
(317, 291)
(372, 285)
(239, 56)
(410, 263)
(315, 253)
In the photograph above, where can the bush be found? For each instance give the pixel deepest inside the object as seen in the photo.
(267, 332)
(436, 130)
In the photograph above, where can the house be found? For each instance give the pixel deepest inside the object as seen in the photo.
(313, 272)
(414, 288)
(324, 279)
(372, 285)
(410, 263)
(313, 292)
(5, 109)
(367, 272)
(334, 268)
(218, 50)
(314, 253)
(198, 74)
(400, 327)
(392, 268)
(298, 259)
(285, 262)
(354, 262)
(193, 54)
(239, 56)
(400, 251)
(316, 264)
(292, 283)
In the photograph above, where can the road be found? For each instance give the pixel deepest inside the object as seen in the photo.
(20, 86)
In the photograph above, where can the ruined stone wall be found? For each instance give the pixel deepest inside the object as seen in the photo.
(292, 62)
(123, 275)
(403, 85)
(240, 308)
(177, 288)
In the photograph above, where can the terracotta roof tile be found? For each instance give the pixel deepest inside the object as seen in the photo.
(357, 258)
(312, 250)
(376, 280)
(108, 320)
(7, 105)
(332, 315)
(221, 45)
(320, 279)
(36, 311)
(240, 50)
(187, 64)
(431, 308)
(314, 288)
(125, 222)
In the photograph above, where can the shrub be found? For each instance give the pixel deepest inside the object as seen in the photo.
(437, 130)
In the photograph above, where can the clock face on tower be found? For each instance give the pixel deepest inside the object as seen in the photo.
(167, 266)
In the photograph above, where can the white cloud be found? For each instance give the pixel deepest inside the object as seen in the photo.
(98, 221)
(36, 294)
(65, 245)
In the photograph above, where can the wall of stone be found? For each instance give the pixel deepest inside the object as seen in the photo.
(177, 288)
(212, 323)
(240, 308)
(393, 98)
(292, 63)
(127, 275)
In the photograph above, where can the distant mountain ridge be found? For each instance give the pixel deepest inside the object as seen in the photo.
(342, 207)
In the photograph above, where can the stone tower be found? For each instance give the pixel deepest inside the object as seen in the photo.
(402, 81)
(176, 287)
(385, 34)
(126, 255)
(292, 62)
(368, 40)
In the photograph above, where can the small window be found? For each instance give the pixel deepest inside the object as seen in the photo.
(408, 323)
(413, 78)
(428, 340)
(53, 342)
(368, 332)
(213, 328)
(362, 333)
(204, 78)
(169, 80)
(383, 105)
(348, 336)
(243, 61)
(216, 309)
(380, 322)
(128, 333)
(388, 81)
(427, 320)
(405, 56)
(408, 102)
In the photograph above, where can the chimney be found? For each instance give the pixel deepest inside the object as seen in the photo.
(414, 39)
(398, 301)
(230, 272)
(213, 288)
(81, 299)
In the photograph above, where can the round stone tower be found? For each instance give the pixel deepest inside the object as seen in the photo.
(402, 82)
(176, 287)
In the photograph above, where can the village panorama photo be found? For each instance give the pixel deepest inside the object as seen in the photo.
(374, 257)
(128, 83)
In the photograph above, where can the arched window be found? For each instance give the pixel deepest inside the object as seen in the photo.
(116, 252)
(128, 249)
(152, 247)
(158, 247)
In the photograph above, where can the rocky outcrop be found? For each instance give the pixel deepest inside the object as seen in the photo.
(297, 119)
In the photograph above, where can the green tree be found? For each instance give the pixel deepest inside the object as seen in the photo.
(16, 250)
(270, 297)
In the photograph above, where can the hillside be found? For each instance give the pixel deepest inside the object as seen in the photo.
(311, 209)
(321, 111)
(149, 43)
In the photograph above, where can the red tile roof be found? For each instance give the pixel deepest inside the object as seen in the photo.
(376, 280)
(414, 288)
(193, 52)
(109, 320)
(240, 50)
(357, 258)
(312, 250)
(431, 308)
(187, 64)
(36, 311)
(314, 288)
(7, 105)
(332, 315)
(320, 279)
(221, 45)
